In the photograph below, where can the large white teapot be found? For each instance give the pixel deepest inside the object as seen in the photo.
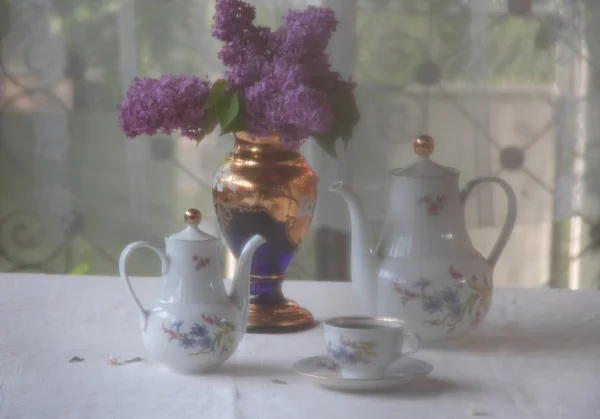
(194, 326)
(425, 270)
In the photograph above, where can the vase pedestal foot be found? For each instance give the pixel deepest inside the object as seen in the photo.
(278, 318)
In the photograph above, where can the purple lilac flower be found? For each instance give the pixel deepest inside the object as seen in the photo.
(164, 105)
(246, 45)
(245, 73)
(307, 31)
(232, 17)
(284, 77)
(276, 39)
(289, 76)
(307, 108)
(283, 102)
(249, 45)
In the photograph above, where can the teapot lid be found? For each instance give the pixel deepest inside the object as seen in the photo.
(424, 167)
(191, 232)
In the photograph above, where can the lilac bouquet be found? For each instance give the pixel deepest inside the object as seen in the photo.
(277, 81)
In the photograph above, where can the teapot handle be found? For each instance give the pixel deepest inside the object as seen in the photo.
(125, 254)
(511, 214)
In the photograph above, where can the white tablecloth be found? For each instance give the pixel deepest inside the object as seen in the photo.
(537, 355)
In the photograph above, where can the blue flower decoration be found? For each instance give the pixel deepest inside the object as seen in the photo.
(177, 324)
(199, 330)
(422, 283)
(206, 342)
(187, 341)
(433, 304)
(341, 353)
(455, 309)
(352, 358)
(450, 296)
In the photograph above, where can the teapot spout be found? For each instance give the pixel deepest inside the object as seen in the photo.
(363, 261)
(240, 289)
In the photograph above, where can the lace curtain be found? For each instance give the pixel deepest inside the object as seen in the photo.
(507, 88)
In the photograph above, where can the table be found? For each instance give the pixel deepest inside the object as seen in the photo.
(537, 355)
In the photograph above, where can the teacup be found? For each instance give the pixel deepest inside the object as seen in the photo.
(365, 347)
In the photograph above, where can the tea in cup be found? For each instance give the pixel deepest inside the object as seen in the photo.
(365, 347)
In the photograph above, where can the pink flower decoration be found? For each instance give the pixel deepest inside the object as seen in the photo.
(111, 360)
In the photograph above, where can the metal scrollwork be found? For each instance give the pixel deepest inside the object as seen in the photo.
(394, 51)
(31, 65)
(25, 244)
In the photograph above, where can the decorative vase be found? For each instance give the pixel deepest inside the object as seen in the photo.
(263, 188)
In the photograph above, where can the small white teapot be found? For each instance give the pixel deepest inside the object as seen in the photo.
(194, 326)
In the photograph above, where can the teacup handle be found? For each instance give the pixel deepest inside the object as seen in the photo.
(414, 347)
(125, 254)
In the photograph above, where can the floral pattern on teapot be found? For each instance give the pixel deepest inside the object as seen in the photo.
(434, 205)
(350, 352)
(200, 262)
(201, 338)
(445, 305)
(193, 314)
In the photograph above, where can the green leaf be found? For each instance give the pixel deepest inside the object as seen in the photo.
(278, 381)
(345, 117)
(4, 17)
(216, 94)
(345, 141)
(474, 412)
(83, 250)
(238, 122)
(81, 269)
(327, 143)
(76, 359)
(209, 125)
(132, 360)
(468, 308)
(236, 126)
(228, 110)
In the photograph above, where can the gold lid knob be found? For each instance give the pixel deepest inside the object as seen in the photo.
(192, 216)
(423, 145)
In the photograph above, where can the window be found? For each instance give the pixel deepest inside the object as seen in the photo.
(503, 93)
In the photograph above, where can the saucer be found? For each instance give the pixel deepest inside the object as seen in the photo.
(322, 371)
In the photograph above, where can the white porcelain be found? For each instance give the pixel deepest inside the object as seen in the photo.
(321, 371)
(194, 326)
(425, 269)
(365, 347)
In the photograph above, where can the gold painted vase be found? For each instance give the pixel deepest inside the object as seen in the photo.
(263, 188)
